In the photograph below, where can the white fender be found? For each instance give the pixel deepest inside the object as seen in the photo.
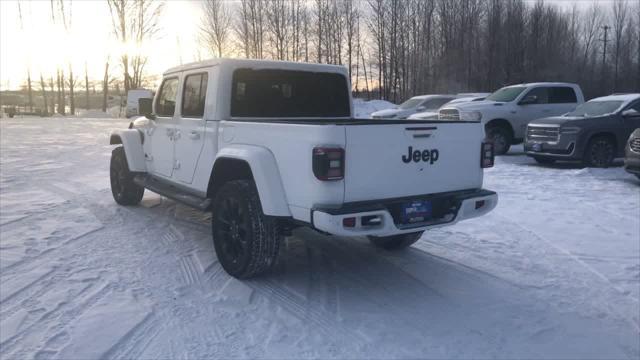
(132, 141)
(265, 173)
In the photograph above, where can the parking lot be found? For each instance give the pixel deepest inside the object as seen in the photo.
(552, 272)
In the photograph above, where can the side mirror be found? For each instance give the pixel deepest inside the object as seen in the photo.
(145, 107)
(529, 99)
(631, 113)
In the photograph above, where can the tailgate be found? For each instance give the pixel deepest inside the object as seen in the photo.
(400, 160)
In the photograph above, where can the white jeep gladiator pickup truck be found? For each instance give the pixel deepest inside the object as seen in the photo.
(507, 111)
(268, 146)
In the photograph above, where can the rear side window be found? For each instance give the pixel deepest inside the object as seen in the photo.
(289, 94)
(562, 95)
(166, 103)
(635, 106)
(435, 103)
(541, 94)
(194, 95)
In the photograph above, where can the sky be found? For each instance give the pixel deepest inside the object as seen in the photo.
(40, 45)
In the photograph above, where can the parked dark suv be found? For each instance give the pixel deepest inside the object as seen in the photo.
(632, 156)
(595, 132)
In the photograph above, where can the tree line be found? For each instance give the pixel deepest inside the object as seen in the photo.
(395, 49)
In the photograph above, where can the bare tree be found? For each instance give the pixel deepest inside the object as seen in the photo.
(105, 86)
(620, 9)
(30, 95)
(86, 86)
(134, 21)
(250, 28)
(72, 83)
(53, 101)
(278, 28)
(43, 88)
(214, 28)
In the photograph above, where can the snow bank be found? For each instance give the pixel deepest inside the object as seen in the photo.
(112, 112)
(362, 109)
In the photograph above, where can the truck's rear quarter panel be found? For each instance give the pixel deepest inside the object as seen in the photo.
(292, 145)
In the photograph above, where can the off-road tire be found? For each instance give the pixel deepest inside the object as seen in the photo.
(600, 152)
(544, 160)
(395, 242)
(246, 240)
(501, 139)
(124, 190)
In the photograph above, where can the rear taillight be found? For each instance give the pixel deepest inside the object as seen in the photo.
(486, 155)
(328, 163)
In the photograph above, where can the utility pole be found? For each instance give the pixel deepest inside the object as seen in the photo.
(604, 40)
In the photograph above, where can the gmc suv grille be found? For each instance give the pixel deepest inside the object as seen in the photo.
(635, 145)
(543, 133)
(449, 114)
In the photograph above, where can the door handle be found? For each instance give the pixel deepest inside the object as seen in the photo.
(170, 132)
(176, 135)
(194, 135)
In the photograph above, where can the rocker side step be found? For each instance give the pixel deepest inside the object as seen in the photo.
(170, 191)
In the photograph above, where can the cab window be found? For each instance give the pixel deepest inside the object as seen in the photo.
(541, 94)
(166, 103)
(272, 93)
(435, 104)
(562, 95)
(194, 95)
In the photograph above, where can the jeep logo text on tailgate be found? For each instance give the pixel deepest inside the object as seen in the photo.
(429, 156)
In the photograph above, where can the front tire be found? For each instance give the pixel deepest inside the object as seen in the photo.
(600, 152)
(124, 190)
(501, 139)
(246, 240)
(395, 242)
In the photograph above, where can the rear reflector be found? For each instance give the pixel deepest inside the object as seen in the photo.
(349, 222)
(486, 155)
(328, 163)
(371, 220)
(479, 204)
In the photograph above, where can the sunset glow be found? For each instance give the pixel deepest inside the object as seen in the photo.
(38, 43)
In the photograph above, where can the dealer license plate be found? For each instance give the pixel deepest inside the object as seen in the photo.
(416, 211)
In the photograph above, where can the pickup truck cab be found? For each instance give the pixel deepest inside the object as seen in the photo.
(506, 112)
(268, 146)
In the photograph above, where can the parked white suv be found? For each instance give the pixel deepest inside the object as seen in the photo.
(414, 105)
(268, 146)
(507, 111)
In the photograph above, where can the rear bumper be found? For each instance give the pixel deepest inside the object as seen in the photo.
(454, 207)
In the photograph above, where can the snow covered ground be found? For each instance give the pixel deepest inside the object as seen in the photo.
(553, 272)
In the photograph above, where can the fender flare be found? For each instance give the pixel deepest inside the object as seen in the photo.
(131, 140)
(266, 176)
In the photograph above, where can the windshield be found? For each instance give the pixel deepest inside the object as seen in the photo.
(411, 103)
(506, 94)
(595, 108)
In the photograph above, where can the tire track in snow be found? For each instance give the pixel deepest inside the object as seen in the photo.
(633, 322)
(134, 343)
(63, 314)
(321, 320)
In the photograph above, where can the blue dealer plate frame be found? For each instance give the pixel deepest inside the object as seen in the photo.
(416, 211)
